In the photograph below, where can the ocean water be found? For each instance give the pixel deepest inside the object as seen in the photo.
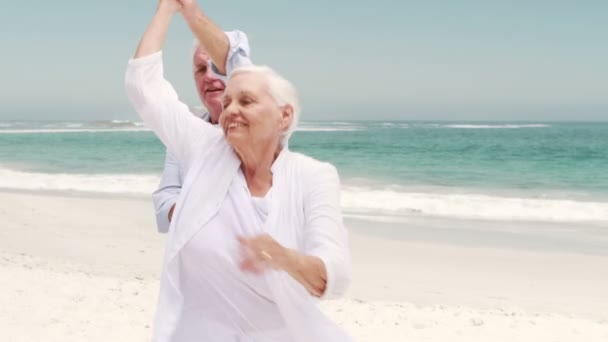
(532, 172)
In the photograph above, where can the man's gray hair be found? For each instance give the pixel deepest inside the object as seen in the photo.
(195, 45)
(281, 90)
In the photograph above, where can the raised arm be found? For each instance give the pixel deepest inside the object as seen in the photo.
(208, 34)
(228, 50)
(154, 37)
(154, 98)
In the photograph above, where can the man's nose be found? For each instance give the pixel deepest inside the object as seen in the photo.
(209, 76)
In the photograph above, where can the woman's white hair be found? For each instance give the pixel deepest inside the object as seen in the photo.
(281, 90)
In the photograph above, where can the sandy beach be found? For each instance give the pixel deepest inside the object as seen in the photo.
(86, 268)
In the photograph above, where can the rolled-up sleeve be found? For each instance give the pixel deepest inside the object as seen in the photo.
(167, 193)
(158, 105)
(238, 54)
(325, 235)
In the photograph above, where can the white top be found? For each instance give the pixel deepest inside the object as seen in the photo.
(303, 214)
(215, 248)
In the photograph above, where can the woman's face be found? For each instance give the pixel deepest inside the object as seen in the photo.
(250, 114)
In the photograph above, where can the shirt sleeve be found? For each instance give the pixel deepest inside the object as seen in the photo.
(157, 104)
(325, 235)
(238, 54)
(167, 193)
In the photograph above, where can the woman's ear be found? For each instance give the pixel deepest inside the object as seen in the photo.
(286, 117)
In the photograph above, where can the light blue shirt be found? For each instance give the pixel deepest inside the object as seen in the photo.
(173, 174)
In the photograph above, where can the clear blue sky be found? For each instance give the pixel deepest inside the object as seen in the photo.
(381, 59)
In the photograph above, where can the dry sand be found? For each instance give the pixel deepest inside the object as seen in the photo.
(78, 268)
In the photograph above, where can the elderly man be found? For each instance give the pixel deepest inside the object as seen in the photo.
(210, 85)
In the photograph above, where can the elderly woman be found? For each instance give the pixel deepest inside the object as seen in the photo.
(257, 232)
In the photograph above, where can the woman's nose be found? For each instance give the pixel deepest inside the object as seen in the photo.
(229, 111)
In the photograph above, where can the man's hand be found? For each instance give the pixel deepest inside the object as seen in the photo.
(170, 214)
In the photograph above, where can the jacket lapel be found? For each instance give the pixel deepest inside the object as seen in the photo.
(215, 176)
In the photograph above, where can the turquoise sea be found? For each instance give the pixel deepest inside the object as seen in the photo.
(532, 171)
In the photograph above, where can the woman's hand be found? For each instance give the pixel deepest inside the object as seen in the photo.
(187, 3)
(188, 8)
(262, 252)
(169, 6)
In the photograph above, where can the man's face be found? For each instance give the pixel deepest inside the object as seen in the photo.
(210, 88)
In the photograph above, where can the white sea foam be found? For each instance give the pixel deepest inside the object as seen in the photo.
(70, 126)
(473, 206)
(71, 130)
(355, 200)
(97, 183)
(329, 129)
(495, 126)
(311, 126)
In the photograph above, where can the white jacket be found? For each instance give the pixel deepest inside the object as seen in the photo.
(306, 206)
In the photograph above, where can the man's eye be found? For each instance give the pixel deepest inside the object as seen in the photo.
(246, 101)
(202, 70)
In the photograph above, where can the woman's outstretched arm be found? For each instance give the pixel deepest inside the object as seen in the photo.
(155, 100)
(153, 39)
